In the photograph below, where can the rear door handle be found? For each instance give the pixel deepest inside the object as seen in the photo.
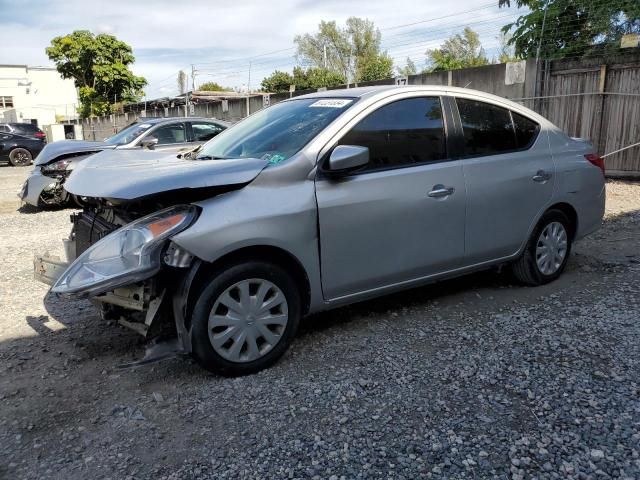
(541, 176)
(440, 191)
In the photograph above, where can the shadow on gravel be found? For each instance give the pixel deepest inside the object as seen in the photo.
(25, 208)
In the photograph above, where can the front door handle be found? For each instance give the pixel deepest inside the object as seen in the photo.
(440, 191)
(541, 176)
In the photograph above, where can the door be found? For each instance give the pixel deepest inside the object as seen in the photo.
(401, 217)
(509, 176)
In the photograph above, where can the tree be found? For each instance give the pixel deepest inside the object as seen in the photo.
(213, 87)
(459, 51)
(377, 68)
(408, 69)
(506, 51)
(99, 66)
(277, 82)
(350, 51)
(182, 82)
(571, 27)
(314, 78)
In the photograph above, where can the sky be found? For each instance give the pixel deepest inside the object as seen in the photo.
(235, 43)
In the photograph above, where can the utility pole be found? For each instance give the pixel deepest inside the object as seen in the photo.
(324, 55)
(544, 20)
(249, 91)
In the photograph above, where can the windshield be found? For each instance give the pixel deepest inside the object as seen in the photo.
(129, 134)
(276, 133)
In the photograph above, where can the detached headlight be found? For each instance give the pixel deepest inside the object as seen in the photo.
(58, 166)
(128, 255)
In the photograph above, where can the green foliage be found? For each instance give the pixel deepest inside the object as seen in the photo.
(277, 82)
(311, 78)
(352, 52)
(459, 51)
(572, 27)
(213, 87)
(99, 66)
(377, 68)
(408, 69)
(506, 52)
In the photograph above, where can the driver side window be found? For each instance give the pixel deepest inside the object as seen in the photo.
(402, 133)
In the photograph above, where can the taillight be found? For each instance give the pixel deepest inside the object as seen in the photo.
(595, 160)
(39, 135)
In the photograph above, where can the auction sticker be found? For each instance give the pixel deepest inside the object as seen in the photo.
(331, 103)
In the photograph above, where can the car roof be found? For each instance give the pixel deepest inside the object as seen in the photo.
(363, 92)
(382, 91)
(157, 120)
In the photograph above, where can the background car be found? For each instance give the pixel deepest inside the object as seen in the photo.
(44, 187)
(19, 150)
(25, 129)
(325, 200)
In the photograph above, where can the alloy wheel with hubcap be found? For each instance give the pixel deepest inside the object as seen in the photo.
(20, 157)
(547, 250)
(248, 320)
(551, 248)
(245, 317)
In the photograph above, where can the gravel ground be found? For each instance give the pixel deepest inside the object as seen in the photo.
(471, 378)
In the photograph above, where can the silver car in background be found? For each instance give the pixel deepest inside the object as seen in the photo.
(320, 201)
(45, 186)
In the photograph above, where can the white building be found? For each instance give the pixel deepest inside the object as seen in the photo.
(36, 95)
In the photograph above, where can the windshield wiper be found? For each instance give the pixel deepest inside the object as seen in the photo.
(212, 157)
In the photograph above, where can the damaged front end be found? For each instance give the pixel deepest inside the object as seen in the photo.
(120, 252)
(128, 268)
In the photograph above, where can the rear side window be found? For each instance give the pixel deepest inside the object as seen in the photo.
(205, 131)
(487, 128)
(526, 130)
(401, 133)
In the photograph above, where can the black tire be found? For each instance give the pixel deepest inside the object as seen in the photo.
(20, 157)
(526, 269)
(203, 350)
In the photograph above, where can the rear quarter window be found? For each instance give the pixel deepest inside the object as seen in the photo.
(487, 128)
(526, 130)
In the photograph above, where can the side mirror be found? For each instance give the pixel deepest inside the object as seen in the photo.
(149, 142)
(346, 158)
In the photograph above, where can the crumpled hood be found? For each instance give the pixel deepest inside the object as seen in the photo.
(127, 175)
(52, 151)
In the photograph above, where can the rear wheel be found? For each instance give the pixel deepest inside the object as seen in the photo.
(547, 250)
(19, 157)
(245, 319)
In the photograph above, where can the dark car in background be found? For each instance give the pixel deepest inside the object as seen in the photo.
(25, 129)
(19, 150)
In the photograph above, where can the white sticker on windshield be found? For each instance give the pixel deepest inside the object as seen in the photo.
(145, 125)
(331, 103)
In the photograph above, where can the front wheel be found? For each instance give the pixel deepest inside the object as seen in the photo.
(19, 157)
(245, 319)
(547, 250)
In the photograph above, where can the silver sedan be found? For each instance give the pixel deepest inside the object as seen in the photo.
(325, 200)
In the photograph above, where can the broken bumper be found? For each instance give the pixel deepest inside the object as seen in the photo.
(34, 186)
(47, 269)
